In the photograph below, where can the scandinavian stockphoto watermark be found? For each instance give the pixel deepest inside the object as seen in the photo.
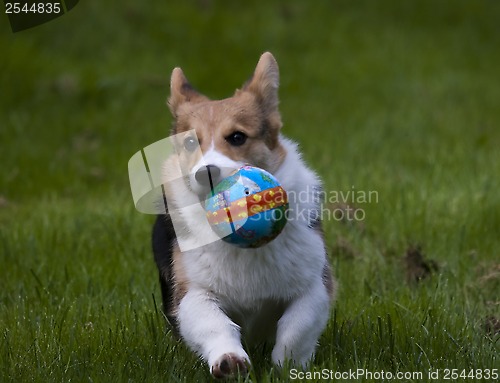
(337, 205)
(162, 182)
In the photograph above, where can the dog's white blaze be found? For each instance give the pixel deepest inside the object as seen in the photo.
(214, 157)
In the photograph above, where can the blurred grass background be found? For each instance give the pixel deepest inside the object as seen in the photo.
(397, 97)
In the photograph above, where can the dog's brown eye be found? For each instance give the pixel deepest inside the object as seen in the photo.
(190, 144)
(237, 138)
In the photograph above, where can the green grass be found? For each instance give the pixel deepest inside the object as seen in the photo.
(396, 97)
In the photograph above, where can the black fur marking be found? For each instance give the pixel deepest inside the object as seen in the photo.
(189, 91)
(187, 87)
(265, 128)
(163, 240)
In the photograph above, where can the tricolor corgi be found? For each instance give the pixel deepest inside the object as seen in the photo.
(217, 294)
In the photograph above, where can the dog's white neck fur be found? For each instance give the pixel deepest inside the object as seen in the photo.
(295, 257)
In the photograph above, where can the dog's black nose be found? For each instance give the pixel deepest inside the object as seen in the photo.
(207, 175)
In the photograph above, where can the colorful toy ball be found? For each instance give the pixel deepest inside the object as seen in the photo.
(248, 208)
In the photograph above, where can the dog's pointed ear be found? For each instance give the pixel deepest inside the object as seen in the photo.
(265, 82)
(182, 91)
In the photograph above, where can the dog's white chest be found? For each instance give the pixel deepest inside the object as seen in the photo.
(278, 271)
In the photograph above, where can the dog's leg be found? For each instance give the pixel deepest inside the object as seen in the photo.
(212, 334)
(301, 325)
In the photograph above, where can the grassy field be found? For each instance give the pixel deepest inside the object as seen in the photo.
(397, 97)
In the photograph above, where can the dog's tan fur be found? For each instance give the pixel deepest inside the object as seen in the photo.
(253, 110)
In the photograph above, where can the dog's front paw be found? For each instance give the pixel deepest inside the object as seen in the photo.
(230, 365)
